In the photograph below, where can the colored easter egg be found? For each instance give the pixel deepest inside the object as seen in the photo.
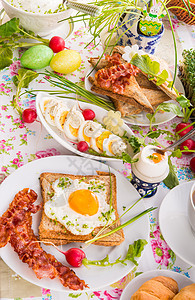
(37, 57)
(66, 61)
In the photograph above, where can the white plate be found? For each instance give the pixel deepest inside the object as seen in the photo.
(133, 285)
(174, 224)
(59, 135)
(95, 277)
(141, 119)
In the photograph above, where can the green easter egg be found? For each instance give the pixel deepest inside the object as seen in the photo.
(37, 57)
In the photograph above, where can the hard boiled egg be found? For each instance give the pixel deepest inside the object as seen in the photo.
(96, 142)
(61, 116)
(114, 145)
(73, 122)
(87, 130)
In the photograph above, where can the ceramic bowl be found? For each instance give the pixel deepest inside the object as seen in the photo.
(191, 208)
(41, 24)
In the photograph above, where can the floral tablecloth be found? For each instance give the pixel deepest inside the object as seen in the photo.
(21, 143)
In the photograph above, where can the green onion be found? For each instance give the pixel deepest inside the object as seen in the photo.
(123, 225)
(71, 87)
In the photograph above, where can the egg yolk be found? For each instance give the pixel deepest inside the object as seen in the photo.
(157, 157)
(74, 131)
(83, 202)
(86, 138)
(45, 104)
(63, 118)
(100, 139)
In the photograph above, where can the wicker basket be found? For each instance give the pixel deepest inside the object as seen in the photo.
(181, 14)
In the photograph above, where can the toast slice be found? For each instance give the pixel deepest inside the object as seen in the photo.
(131, 90)
(53, 231)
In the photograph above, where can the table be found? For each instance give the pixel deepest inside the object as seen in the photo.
(21, 143)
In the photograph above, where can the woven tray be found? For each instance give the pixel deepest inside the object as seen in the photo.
(181, 14)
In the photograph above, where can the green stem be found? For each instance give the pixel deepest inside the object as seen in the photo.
(45, 41)
(174, 42)
(122, 226)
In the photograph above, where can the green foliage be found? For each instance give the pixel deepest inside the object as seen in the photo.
(134, 251)
(168, 107)
(134, 141)
(22, 80)
(171, 180)
(188, 71)
(6, 56)
(10, 38)
(9, 28)
(149, 67)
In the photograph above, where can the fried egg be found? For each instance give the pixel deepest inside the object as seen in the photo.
(78, 205)
(114, 145)
(87, 130)
(73, 122)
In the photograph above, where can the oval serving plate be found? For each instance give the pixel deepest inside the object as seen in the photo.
(134, 285)
(59, 136)
(140, 119)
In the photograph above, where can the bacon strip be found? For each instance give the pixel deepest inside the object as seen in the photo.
(15, 227)
(116, 77)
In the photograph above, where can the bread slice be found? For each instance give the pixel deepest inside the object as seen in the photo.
(55, 232)
(132, 90)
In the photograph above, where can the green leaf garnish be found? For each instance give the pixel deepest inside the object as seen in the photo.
(9, 28)
(183, 101)
(171, 180)
(149, 67)
(6, 56)
(134, 251)
(134, 141)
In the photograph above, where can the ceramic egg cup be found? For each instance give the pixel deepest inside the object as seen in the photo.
(144, 187)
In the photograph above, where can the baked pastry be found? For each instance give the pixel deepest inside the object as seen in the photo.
(187, 293)
(157, 288)
(54, 231)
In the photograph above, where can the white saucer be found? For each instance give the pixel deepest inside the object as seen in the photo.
(174, 224)
(134, 285)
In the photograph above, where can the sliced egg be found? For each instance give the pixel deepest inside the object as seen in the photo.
(46, 102)
(61, 116)
(87, 130)
(73, 122)
(114, 145)
(98, 139)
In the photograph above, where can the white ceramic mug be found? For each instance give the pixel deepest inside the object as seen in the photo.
(191, 208)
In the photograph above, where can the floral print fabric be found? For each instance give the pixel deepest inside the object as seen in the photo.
(21, 143)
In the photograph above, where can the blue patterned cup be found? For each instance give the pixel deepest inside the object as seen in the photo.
(129, 34)
(148, 172)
